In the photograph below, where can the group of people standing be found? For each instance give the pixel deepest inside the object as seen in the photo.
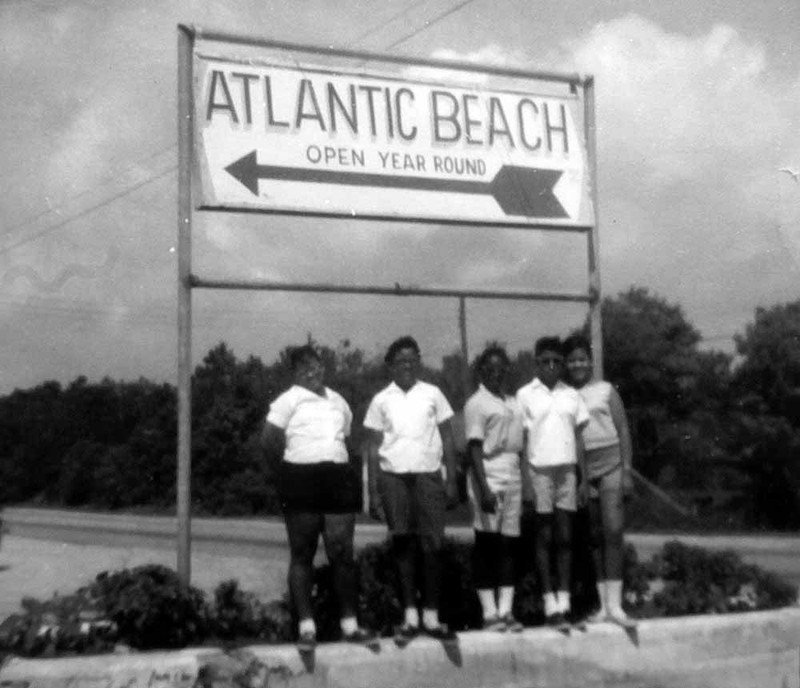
(562, 441)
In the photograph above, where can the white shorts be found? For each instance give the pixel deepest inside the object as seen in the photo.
(554, 487)
(506, 516)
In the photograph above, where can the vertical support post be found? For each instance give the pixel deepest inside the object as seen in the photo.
(185, 146)
(595, 318)
(462, 329)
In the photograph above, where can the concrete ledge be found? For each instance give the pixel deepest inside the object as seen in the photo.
(754, 650)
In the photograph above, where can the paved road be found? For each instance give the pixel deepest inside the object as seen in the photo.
(45, 551)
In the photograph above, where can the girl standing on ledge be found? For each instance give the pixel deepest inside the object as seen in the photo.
(607, 467)
(319, 490)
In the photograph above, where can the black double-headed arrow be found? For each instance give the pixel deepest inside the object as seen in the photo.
(525, 191)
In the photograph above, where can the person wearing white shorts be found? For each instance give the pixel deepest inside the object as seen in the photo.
(494, 434)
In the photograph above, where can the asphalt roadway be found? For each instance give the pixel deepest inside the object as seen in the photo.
(48, 551)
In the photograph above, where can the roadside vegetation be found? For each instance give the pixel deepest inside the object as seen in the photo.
(716, 440)
(149, 608)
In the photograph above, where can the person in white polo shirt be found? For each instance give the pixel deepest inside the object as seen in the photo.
(410, 435)
(318, 488)
(494, 433)
(554, 414)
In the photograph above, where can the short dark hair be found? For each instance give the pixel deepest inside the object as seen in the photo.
(547, 344)
(406, 342)
(300, 355)
(490, 351)
(577, 341)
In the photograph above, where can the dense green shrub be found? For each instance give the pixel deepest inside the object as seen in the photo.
(237, 614)
(148, 606)
(680, 580)
(151, 607)
(691, 580)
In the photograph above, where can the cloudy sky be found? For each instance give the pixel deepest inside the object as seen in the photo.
(698, 108)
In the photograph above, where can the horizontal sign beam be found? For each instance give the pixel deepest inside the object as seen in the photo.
(396, 290)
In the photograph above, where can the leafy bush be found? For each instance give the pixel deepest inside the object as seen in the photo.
(71, 624)
(151, 607)
(148, 607)
(691, 580)
(680, 580)
(237, 614)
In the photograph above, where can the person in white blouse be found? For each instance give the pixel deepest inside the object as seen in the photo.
(608, 471)
(410, 438)
(493, 425)
(319, 490)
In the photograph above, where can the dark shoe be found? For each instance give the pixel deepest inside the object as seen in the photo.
(307, 641)
(440, 632)
(559, 622)
(494, 623)
(511, 624)
(406, 633)
(361, 636)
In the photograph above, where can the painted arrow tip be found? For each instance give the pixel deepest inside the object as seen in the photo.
(245, 171)
(528, 191)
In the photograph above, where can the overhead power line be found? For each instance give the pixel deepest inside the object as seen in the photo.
(429, 23)
(33, 218)
(386, 22)
(87, 211)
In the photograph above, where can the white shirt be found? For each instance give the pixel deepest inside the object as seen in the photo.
(551, 417)
(498, 423)
(600, 432)
(409, 422)
(315, 426)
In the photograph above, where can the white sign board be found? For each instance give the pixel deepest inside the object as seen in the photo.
(297, 138)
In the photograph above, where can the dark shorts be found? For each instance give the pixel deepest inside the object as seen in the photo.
(325, 488)
(414, 503)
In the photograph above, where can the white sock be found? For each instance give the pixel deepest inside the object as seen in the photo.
(614, 588)
(349, 625)
(412, 617)
(430, 618)
(506, 600)
(307, 626)
(603, 595)
(564, 602)
(550, 604)
(487, 603)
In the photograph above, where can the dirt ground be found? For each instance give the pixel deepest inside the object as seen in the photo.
(40, 569)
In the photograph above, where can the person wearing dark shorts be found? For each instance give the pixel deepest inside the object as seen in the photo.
(410, 435)
(318, 488)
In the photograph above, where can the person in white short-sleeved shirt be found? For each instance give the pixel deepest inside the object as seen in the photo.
(315, 425)
(494, 433)
(554, 414)
(409, 421)
(410, 438)
(318, 488)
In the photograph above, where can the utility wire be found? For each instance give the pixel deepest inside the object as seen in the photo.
(430, 22)
(386, 22)
(85, 192)
(86, 211)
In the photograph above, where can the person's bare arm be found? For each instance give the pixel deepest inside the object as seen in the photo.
(487, 499)
(374, 440)
(273, 442)
(620, 419)
(449, 457)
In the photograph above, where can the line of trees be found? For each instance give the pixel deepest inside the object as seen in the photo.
(718, 435)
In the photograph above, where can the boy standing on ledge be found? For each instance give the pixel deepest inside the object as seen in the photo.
(410, 434)
(554, 414)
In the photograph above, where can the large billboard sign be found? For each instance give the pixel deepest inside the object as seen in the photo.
(289, 136)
